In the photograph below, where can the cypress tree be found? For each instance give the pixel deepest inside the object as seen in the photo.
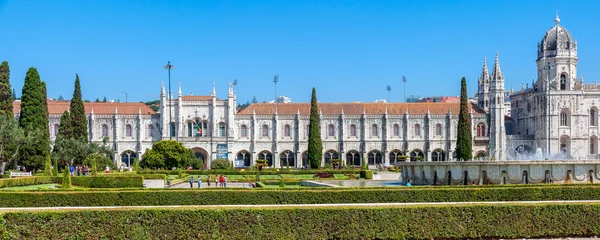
(315, 146)
(48, 167)
(78, 120)
(66, 180)
(34, 120)
(463, 139)
(6, 96)
(55, 168)
(64, 129)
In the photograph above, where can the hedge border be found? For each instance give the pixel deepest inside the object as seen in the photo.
(422, 222)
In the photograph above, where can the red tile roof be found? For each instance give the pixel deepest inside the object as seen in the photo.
(359, 108)
(59, 107)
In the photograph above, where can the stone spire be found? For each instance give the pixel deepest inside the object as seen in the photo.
(214, 90)
(179, 94)
(496, 72)
(485, 76)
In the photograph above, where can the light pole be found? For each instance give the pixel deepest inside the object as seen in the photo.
(234, 84)
(404, 80)
(389, 89)
(169, 67)
(548, 67)
(275, 80)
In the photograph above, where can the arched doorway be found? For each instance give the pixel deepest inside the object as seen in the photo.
(305, 159)
(417, 155)
(565, 144)
(200, 153)
(353, 158)
(481, 155)
(266, 155)
(243, 159)
(375, 157)
(127, 158)
(287, 159)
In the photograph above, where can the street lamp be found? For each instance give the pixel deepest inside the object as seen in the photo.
(404, 80)
(389, 88)
(275, 80)
(169, 67)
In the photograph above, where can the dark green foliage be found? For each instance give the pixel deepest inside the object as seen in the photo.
(97, 100)
(485, 221)
(34, 117)
(254, 100)
(220, 164)
(364, 165)
(464, 149)
(65, 130)
(104, 100)
(366, 174)
(109, 181)
(166, 154)
(55, 168)
(61, 98)
(78, 120)
(25, 181)
(315, 146)
(6, 96)
(48, 167)
(66, 179)
(97, 161)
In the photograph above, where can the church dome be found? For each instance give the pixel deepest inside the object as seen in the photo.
(557, 38)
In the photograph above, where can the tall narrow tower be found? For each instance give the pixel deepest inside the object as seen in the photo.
(496, 111)
(484, 88)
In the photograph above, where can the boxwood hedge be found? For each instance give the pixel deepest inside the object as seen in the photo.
(422, 222)
(108, 181)
(292, 196)
(248, 172)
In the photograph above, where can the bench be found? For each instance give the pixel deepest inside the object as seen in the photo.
(20, 174)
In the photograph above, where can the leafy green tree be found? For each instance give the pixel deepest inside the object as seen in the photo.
(96, 160)
(34, 117)
(64, 129)
(66, 180)
(167, 154)
(315, 146)
(464, 149)
(78, 120)
(12, 138)
(97, 100)
(6, 97)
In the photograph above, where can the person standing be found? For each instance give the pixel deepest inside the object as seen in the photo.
(199, 181)
(71, 169)
(208, 180)
(191, 181)
(216, 181)
(225, 181)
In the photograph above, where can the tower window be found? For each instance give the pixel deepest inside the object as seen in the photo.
(563, 82)
(564, 119)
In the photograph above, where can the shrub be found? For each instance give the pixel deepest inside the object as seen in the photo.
(167, 154)
(366, 174)
(220, 164)
(323, 175)
(25, 181)
(247, 172)
(66, 179)
(451, 222)
(364, 164)
(98, 161)
(55, 168)
(109, 182)
(48, 167)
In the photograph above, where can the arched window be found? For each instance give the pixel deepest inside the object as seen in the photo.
(56, 126)
(287, 159)
(394, 156)
(245, 157)
(286, 131)
(352, 130)
(104, 130)
(128, 131)
(593, 117)
(564, 120)
(149, 130)
(243, 131)
(198, 128)
(563, 82)
(353, 158)
(266, 155)
(417, 130)
(128, 158)
(222, 129)
(375, 157)
(265, 131)
(331, 130)
(396, 130)
(593, 145)
(438, 129)
(417, 155)
(438, 155)
(374, 130)
(481, 130)
(331, 155)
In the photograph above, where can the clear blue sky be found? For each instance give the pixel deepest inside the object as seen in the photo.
(348, 50)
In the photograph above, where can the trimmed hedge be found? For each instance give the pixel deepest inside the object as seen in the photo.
(108, 181)
(366, 174)
(249, 172)
(25, 181)
(439, 222)
(220, 196)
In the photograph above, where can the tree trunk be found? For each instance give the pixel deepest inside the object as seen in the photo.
(2, 167)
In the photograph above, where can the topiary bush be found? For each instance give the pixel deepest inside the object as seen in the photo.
(366, 174)
(66, 179)
(220, 164)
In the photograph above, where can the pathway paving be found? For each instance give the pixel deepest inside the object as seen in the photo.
(271, 206)
(212, 185)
